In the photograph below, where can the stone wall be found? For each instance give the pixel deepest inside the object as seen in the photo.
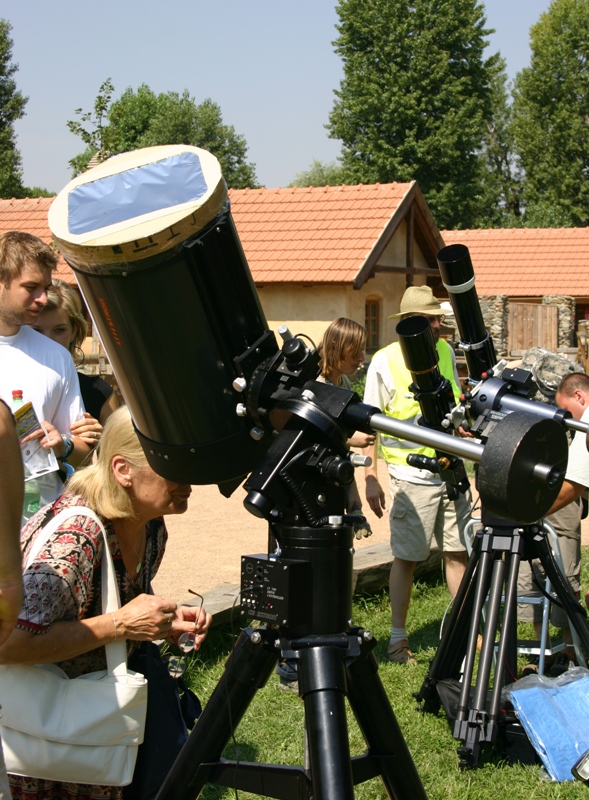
(566, 318)
(495, 310)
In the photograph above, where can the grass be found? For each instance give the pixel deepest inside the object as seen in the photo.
(272, 729)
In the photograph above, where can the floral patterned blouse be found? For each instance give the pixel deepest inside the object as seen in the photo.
(64, 583)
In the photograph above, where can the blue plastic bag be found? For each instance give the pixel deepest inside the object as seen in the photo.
(554, 713)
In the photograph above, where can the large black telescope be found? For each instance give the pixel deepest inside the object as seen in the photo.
(159, 263)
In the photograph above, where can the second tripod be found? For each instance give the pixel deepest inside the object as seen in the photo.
(490, 585)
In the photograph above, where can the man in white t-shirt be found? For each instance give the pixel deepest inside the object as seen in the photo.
(42, 369)
(573, 396)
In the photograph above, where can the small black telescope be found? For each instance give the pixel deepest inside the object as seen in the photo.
(458, 279)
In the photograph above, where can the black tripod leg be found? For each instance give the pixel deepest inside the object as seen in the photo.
(472, 627)
(473, 730)
(506, 663)
(377, 721)
(247, 669)
(561, 587)
(450, 653)
(322, 685)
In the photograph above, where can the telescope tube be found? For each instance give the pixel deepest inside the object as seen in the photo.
(421, 359)
(155, 252)
(458, 279)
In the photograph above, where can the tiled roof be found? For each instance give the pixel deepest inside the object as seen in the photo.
(527, 262)
(325, 234)
(312, 235)
(30, 215)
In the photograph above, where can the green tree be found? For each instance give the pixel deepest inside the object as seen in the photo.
(551, 114)
(12, 108)
(144, 119)
(502, 180)
(320, 173)
(415, 99)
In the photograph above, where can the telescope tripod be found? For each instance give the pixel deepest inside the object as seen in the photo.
(491, 573)
(333, 660)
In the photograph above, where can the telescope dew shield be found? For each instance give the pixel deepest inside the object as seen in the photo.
(458, 279)
(159, 263)
(421, 359)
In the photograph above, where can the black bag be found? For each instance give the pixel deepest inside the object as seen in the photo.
(172, 709)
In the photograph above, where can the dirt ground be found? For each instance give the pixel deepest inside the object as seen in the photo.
(205, 543)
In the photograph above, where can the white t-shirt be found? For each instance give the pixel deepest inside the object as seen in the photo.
(578, 463)
(379, 391)
(46, 374)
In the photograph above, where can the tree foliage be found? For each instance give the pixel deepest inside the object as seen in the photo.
(320, 173)
(143, 119)
(502, 178)
(12, 108)
(551, 117)
(416, 98)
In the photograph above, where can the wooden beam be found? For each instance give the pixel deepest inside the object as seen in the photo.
(415, 270)
(409, 249)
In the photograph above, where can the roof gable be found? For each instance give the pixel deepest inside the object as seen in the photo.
(527, 262)
(327, 234)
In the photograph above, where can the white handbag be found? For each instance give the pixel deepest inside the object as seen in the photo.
(80, 730)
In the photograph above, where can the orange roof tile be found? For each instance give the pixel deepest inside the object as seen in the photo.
(527, 262)
(30, 215)
(315, 234)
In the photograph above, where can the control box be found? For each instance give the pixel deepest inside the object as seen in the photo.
(277, 591)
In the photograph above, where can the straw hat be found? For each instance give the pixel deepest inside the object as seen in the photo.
(419, 300)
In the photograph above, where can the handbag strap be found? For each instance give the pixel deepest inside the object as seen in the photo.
(116, 652)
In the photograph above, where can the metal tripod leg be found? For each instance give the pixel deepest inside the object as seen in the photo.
(449, 656)
(471, 721)
(480, 723)
(322, 685)
(388, 754)
(472, 625)
(561, 588)
(199, 761)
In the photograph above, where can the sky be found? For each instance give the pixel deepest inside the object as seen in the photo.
(269, 64)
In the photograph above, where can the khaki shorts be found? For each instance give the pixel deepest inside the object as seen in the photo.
(567, 523)
(421, 513)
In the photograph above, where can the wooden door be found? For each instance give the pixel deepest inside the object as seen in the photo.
(532, 325)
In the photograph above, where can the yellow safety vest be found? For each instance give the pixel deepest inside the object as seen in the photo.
(395, 451)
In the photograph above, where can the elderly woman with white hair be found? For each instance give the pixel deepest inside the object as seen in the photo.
(61, 620)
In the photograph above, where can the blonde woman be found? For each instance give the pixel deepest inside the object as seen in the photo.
(61, 620)
(341, 353)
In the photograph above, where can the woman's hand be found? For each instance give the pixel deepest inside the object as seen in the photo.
(147, 617)
(88, 429)
(191, 619)
(360, 439)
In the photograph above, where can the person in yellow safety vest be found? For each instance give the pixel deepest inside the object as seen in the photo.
(420, 508)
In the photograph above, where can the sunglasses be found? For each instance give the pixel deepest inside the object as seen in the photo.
(177, 664)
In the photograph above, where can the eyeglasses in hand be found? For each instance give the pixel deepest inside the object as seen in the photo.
(177, 664)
